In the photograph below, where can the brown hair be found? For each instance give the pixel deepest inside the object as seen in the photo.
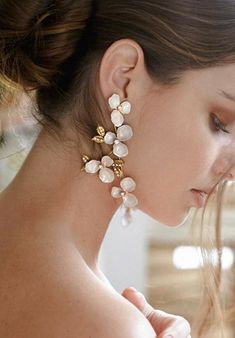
(55, 48)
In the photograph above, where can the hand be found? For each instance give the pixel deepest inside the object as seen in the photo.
(164, 324)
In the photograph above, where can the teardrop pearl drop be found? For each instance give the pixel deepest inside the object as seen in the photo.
(92, 166)
(117, 118)
(106, 175)
(124, 133)
(125, 107)
(120, 149)
(130, 201)
(126, 218)
(128, 184)
(109, 137)
(114, 101)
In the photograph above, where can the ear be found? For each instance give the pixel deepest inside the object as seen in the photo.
(122, 70)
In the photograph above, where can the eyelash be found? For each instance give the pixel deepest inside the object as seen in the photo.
(2, 139)
(218, 124)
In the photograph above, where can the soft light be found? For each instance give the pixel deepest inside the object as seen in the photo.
(189, 257)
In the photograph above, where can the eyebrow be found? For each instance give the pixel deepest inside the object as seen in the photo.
(227, 95)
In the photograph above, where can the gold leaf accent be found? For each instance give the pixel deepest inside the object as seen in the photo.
(98, 139)
(118, 168)
(121, 174)
(85, 158)
(101, 131)
(119, 162)
(118, 172)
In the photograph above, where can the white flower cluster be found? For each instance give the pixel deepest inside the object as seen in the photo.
(123, 133)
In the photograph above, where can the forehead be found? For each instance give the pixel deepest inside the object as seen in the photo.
(212, 81)
(224, 73)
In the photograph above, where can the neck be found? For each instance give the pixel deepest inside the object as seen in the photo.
(54, 198)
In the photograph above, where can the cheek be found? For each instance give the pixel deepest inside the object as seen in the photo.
(173, 156)
(167, 158)
(202, 148)
(195, 151)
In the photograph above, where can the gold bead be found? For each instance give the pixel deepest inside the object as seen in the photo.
(118, 168)
(98, 139)
(118, 162)
(85, 158)
(101, 131)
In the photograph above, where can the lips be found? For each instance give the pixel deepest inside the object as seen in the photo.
(207, 191)
(199, 197)
(203, 193)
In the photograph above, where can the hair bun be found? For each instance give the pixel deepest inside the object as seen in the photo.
(37, 37)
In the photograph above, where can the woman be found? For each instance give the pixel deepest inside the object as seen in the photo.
(163, 70)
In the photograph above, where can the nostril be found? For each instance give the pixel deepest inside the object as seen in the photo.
(230, 176)
(227, 176)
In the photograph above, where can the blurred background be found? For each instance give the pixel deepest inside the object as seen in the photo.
(162, 262)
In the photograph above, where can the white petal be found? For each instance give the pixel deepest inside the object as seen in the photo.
(109, 137)
(106, 161)
(124, 133)
(128, 184)
(120, 149)
(125, 107)
(117, 118)
(116, 192)
(106, 175)
(114, 101)
(130, 201)
(92, 166)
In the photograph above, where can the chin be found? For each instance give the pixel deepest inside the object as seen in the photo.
(169, 220)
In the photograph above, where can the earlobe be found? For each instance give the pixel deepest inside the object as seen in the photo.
(119, 66)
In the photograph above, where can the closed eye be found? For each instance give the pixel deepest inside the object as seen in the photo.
(218, 124)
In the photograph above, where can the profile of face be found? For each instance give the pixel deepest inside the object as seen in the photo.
(177, 143)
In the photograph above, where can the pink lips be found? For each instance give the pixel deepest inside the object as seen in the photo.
(199, 198)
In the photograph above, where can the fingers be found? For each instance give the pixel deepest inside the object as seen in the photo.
(164, 324)
(182, 327)
(138, 299)
(175, 326)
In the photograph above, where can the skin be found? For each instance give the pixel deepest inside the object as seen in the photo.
(173, 124)
(164, 324)
(174, 149)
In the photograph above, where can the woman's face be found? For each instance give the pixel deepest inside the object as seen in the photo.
(176, 147)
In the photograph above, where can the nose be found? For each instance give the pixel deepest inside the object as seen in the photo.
(230, 176)
(224, 165)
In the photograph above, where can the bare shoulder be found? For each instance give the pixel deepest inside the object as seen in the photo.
(111, 315)
(76, 305)
(93, 310)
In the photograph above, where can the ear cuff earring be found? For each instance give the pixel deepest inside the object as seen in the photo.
(108, 166)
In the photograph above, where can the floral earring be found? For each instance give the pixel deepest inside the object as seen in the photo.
(108, 167)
